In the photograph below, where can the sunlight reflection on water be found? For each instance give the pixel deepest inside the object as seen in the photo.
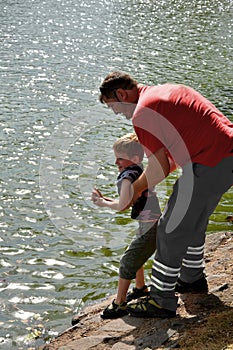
(58, 251)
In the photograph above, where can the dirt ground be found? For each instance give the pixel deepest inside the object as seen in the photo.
(204, 321)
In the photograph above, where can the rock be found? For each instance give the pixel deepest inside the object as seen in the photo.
(129, 333)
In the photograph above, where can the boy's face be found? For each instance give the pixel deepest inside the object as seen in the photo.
(123, 161)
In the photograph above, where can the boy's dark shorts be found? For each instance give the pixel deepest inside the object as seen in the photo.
(139, 251)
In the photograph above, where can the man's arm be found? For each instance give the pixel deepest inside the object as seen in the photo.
(158, 168)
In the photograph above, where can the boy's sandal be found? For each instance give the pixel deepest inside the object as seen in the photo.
(136, 293)
(114, 310)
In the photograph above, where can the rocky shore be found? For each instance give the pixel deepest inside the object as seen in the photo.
(203, 321)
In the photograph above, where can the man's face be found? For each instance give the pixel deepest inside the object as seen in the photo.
(125, 108)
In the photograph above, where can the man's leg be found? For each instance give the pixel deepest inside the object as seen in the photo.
(192, 275)
(192, 269)
(208, 186)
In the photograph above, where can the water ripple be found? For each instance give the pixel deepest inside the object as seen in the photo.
(58, 251)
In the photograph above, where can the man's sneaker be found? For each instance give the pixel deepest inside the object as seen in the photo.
(199, 286)
(149, 308)
(136, 293)
(114, 310)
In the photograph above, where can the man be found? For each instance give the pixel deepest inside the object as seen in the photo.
(176, 122)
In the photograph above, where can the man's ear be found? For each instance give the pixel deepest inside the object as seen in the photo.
(122, 95)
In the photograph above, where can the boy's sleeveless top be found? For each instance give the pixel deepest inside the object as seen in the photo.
(146, 207)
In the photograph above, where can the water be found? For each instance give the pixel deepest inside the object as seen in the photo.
(58, 252)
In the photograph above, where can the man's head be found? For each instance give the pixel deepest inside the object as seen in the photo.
(128, 151)
(119, 91)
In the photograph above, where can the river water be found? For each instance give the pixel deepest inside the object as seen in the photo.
(58, 251)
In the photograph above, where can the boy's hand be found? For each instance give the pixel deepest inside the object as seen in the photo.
(98, 199)
(96, 194)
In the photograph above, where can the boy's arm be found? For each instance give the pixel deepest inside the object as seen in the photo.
(116, 204)
(126, 195)
(108, 203)
(101, 201)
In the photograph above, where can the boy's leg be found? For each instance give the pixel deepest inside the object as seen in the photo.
(123, 286)
(140, 279)
(139, 251)
(141, 289)
(131, 265)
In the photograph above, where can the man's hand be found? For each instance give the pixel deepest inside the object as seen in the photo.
(157, 169)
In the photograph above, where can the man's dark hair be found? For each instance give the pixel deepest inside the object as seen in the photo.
(114, 81)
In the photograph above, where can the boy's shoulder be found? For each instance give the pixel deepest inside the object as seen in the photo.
(132, 171)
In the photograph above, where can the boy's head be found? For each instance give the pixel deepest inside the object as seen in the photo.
(128, 151)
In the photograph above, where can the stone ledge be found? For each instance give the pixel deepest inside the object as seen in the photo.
(129, 333)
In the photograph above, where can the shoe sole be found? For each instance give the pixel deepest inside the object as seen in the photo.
(200, 286)
(112, 317)
(142, 314)
(193, 291)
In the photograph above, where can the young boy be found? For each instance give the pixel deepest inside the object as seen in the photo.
(129, 155)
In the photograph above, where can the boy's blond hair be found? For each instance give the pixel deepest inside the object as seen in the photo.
(130, 145)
